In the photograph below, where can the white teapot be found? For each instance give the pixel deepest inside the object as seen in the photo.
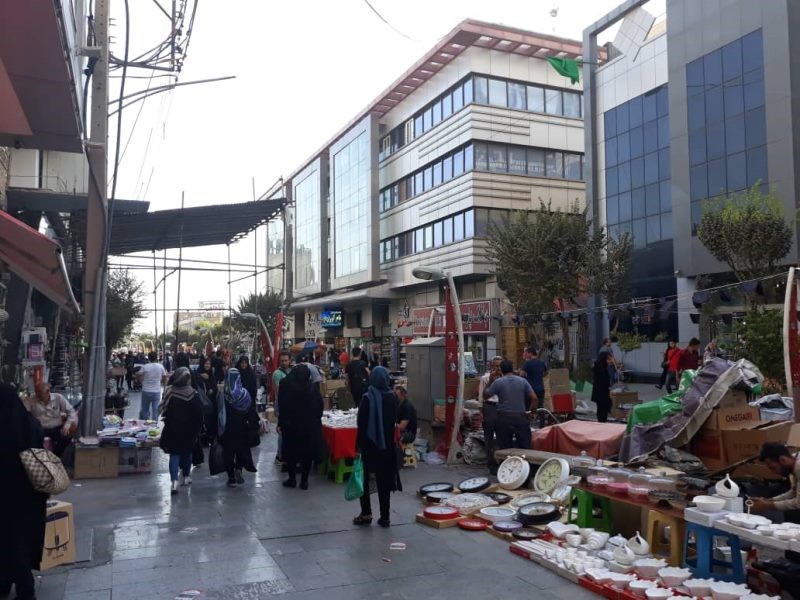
(639, 545)
(727, 488)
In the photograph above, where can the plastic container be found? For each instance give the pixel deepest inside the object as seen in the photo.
(663, 483)
(639, 483)
(598, 475)
(619, 475)
(584, 461)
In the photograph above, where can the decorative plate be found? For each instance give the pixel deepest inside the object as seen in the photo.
(439, 496)
(435, 487)
(440, 513)
(526, 534)
(513, 472)
(507, 526)
(552, 472)
(498, 497)
(473, 524)
(474, 484)
(469, 502)
(530, 498)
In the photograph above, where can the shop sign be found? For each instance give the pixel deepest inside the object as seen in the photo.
(476, 319)
(314, 328)
(367, 333)
(36, 352)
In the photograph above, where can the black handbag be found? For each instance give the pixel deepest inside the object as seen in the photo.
(198, 456)
(216, 461)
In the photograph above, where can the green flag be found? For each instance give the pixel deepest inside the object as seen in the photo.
(566, 67)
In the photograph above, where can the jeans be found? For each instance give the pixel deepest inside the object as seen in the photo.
(489, 426)
(182, 462)
(150, 402)
(672, 382)
(511, 426)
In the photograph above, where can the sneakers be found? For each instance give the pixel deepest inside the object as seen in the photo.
(238, 476)
(231, 483)
(186, 480)
(173, 488)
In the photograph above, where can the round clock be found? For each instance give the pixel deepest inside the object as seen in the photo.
(538, 512)
(473, 524)
(513, 472)
(530, 498)
(496, 514)
(498, 497)
(474, 484)
(440, 513)
(507, 526)
(526, 534)
(552, 472)
(437, 497)
(435, 487)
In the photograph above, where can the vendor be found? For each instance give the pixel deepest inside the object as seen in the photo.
(780, 461)
(55, 414)
(406, 416)
(514, 395)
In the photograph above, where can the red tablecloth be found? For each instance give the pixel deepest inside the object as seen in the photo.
(341, 442)
(597, 439)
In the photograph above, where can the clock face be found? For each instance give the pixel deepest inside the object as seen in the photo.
(550, 474)
(474, 484)
(513, 472)
(436, 487)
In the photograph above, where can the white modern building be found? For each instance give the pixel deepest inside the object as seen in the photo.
(479, 126)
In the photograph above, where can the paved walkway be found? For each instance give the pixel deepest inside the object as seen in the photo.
(259, 540)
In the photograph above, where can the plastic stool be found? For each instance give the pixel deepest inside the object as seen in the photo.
(584, 516)
(340, 468)
(702, 565)
(656, 521)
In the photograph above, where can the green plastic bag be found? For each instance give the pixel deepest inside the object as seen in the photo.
(355, 484)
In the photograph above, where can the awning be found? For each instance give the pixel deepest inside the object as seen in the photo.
(37, 260)
(339, 299)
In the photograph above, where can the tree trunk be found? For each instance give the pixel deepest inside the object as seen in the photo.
(565, 335)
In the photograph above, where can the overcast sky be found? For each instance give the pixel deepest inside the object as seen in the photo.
(303, 70)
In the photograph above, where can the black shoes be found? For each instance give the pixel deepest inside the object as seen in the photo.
(291, 483)
(304, 484)
(237, 473)
(231, 482)
(384, 522)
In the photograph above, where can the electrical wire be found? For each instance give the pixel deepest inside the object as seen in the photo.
(119, 122)
(136, 120)
(388, 24)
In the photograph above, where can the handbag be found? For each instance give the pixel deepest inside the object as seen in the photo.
(355, 484)
(45, 471)
(216, 461)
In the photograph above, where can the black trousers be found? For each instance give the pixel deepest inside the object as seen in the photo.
(305, 469)
(21, 577)
(237, 458)
(60, 441)
(513, 430)
(603, 408)
(489, 428)
(384, 480)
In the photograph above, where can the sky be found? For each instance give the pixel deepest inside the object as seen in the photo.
(303, 70)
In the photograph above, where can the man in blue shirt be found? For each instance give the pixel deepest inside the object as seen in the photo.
(534, 369)
(514, 395)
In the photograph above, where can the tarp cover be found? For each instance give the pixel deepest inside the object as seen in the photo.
(652, 412)
(599, 440)
(710, 384)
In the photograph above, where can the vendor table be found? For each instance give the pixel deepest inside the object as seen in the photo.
(596, 439)
(625, 499)
(341, 443)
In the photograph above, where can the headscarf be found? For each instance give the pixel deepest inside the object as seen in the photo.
(298, 381)
(235, 395)
(378, 385)
(181, 389)
(244, 358)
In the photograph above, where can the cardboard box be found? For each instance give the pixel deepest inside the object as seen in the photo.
(560, 403)
(732, 398)
(558, 378)
(708, 446)
(439, 410)
(135, 460)
(732, 417)
(741, 444)
(59, 535)
(94, 463)
(471, 388)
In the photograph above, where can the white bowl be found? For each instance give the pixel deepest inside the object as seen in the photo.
(787, 534)
(648, 567)
(559, 530)
(597, 540)
(657, 593)
(621, 580)
(699, 588)
(573, 539)
(497, 514)
(725, 590)
(747, 521)
(709, 504)
(674, 576)
(640, 586)
(586, 532)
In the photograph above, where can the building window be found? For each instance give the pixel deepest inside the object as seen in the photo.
(307, 234)
(351, 196)
(516, 96)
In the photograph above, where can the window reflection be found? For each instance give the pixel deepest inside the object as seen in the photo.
(307, 246)
(351, 199)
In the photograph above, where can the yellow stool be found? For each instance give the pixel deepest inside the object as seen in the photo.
(656, 522)
(409, 456)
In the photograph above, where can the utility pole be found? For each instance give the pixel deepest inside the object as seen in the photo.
(94, 285)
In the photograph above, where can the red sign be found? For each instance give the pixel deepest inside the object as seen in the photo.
(450, 369)
(476, 319)
(35, 351)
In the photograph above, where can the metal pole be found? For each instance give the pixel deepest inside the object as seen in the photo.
(155, 298)
(230, 312)
(164, 313)
(451, 456)
(180, 260)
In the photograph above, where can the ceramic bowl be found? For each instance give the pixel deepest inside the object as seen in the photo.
(624, 555)
(586, 532)
(747, 521)
(724, 590)
(699, 588)
(657, 593)
(559, 530)
(709, 504)
(648, 567)
(573, 539)
(621, 580)
(598, 575)
(673, 576)
(640, 586)
(617, 540)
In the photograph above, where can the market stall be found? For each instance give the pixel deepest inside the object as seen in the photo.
(121, 447)
(339, 431)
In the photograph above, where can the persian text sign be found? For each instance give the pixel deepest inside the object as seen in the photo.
(476, 319)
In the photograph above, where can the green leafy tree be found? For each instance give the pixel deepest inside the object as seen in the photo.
(747, 232)
(124, 305)
(760, 336)
(549, 255)
(266, 305)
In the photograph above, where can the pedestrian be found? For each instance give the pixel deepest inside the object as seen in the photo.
(375, 440)
(248, 374)
(489, 411)
(711, 351)
(22, 509)
(238, 428)
(300, 423)
(601, 384)
(534, 370)
(183, 419)
(152, 376)
(357, 374)
(284, 366)
(55, 415)
(168, 364)
(670, 351)
(117, 364)
(344, 359)
(218, 365)
(513, 393)
(688, 358)
(406, 416)
(207, 381)
(129, 366)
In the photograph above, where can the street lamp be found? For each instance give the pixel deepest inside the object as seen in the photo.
(452, 312)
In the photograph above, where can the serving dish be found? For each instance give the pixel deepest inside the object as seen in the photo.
(621, 580)
(657, 593)
(598, 575)
(725, 590)
(674, 576)
(640, 586)
(558, 529)
(747, 520)
(709, 504)
(699, 588)
(648, 567)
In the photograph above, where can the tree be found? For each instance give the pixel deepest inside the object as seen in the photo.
(747, 232)
(266, 305)
(549, 255)
(124, 304)
(760, 337)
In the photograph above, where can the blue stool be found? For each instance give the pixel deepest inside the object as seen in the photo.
(702, 565)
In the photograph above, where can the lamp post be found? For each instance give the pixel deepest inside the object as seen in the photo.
(454, 373)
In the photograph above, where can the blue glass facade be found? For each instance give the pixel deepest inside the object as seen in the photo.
(727, 121)
(637, 169)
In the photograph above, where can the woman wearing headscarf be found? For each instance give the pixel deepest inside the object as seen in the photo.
(238, 428)
(22, 509)
(377, 415)
(249, 377)
(601, 384)
(183, 418)
(300, 423)
(207, 381)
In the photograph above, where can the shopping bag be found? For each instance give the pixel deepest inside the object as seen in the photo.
(216, 462)
(198, 456)
(355, 485)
